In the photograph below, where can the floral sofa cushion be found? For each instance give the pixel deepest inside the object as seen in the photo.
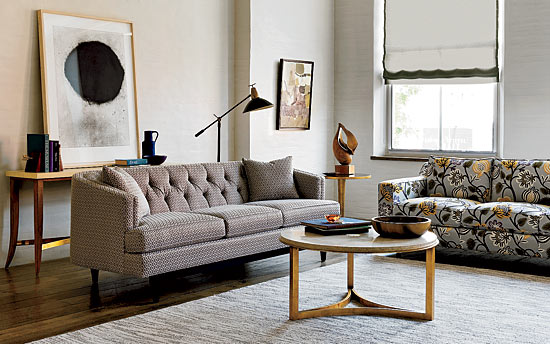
(459, 178)
(521, 181)
(513, 217)
(443, 211)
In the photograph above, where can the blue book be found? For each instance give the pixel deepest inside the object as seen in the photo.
(130, 162)
(344, 222)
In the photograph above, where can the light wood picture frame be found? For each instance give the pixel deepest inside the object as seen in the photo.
(294, 94)
(89, 94)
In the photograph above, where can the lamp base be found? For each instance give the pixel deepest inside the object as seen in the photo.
(344, 169)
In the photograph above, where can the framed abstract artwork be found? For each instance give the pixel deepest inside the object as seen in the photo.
(294, 96)
(88, 87)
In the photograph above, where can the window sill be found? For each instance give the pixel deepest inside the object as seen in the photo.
(398, 158)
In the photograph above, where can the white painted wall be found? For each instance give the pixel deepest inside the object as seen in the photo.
(301, 30)
(183, 67)
(526, 79)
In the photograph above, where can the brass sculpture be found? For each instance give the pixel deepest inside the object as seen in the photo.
(344, 150)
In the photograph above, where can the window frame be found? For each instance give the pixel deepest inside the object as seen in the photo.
(390, 151)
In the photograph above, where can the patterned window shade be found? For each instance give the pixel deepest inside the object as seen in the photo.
(440, 39)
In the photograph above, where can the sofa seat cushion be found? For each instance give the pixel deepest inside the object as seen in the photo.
(169, 230)
(514, 217)
(443, 211)
(297, 210)
(243, 219)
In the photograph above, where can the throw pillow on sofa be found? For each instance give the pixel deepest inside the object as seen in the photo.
(460, 178)
(120, 179)
(270, 180)
(521, 181)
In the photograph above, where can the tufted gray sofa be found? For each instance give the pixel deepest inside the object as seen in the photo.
(200, 214)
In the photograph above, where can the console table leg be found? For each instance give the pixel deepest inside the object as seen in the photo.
(14, 218)
(430, 283)
(342, 195)
(294, 272)
(323, 256)
(38, 223)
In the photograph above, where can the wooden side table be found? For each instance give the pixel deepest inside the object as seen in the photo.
(16, 180)
(342, 186)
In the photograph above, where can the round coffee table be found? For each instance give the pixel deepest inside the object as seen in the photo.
(358, 243)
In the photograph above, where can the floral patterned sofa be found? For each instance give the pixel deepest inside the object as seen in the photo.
(490, 205)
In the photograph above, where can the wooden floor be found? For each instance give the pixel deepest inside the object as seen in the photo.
(62, 298)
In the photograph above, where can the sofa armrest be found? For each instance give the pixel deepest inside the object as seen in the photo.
(398, 190)
(100, 216)
(309, 185)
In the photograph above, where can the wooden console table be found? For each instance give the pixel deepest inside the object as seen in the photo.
(16, 180)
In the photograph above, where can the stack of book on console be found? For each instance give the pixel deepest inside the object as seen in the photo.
(345, 225)
(130, 162)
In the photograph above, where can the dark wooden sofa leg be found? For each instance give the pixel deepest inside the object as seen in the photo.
(95, 276)
(323, 256)
(153, 285)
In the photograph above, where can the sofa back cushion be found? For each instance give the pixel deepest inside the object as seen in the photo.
(460, 178)
(521, 181)
(270, 179)
(118, 178)
(190, 187)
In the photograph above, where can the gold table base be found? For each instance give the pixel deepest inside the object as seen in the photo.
(367, 307)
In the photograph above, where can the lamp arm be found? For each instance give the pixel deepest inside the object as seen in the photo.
(222, 116)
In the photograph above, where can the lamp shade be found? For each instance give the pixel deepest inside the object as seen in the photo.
(256, 103)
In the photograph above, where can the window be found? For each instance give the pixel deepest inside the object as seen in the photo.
(449, 117)
(441, 64)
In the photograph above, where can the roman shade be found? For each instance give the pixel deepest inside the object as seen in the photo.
(440, 39)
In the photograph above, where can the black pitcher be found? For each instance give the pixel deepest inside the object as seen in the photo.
(148, 144)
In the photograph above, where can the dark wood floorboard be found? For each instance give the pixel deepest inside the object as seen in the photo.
(62, 299)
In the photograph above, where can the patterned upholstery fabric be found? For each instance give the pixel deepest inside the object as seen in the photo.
(117, 177)
(270, 180)
(521, 181)
(399, 190)
(100, 216)
(190, 187)
(168, 230)
(443, 211)
(460, 178)
(245, 219)
(513, 217)
(309, 185)
(158, 262)
(297, 210)
(518, 228)
(497, 241)
(104, 219)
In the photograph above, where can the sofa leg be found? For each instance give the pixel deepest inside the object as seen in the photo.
(153, 285)
(95, 276)
(323, 256)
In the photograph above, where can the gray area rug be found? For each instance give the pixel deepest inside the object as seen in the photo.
(472, 306)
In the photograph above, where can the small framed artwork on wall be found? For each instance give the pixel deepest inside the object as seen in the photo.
(88, 87)
(294, 96)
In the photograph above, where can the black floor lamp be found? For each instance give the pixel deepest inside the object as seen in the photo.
(255, 104)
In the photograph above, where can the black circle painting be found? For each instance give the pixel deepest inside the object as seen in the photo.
(94, 72)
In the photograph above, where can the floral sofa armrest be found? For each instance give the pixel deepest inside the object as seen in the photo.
(397, 190)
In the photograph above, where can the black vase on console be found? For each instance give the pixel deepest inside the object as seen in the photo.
(148, 144)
